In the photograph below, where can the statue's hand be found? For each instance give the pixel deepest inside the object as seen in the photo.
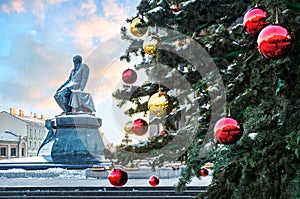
(75, 90)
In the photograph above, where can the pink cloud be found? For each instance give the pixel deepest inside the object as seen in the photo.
(18, 6)
(90, 7)
(98, 27)
(5, 8)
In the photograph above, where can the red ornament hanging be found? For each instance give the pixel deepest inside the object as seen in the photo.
(275, 41)
(255, 20)
(153, 181)
(118, 177)
(139, 127)
(204, 172)
(227, 130)
(129, 76)
(175, 8)
(163, 132)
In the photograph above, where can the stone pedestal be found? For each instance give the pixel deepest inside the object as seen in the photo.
(74, 139)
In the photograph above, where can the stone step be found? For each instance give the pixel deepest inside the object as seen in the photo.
(96, 192)
(100, 197)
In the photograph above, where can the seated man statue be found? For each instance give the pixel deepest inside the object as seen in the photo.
(75, 83)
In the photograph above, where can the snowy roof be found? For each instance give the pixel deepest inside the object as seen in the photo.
(32, 121)
(8, 136)
(28, 119)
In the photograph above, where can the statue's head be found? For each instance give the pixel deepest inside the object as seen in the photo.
(77, 59)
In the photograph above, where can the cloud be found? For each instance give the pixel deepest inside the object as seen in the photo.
(5, 8)
(39, 10)
(89, 7)
(18, 6)
(56, 1)
(99, 28)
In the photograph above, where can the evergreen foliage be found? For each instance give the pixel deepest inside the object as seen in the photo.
(263, 95)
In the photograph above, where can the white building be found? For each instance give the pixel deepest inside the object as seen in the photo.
(30, 127)
(12, 145)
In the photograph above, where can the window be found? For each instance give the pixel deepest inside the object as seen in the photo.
(3, 151)
(13, 152)
(34, 133)
(30, 133)
(30, 144)
(35, 145)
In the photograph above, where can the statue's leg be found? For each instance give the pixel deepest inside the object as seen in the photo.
(62, 99)
(58, 99)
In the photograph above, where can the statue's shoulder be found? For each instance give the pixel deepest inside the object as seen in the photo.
(85, 67)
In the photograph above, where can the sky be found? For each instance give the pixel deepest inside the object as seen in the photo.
(37, 42)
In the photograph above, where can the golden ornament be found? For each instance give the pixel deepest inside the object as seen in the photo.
(128, 128)
(136, 27)
(150, 44)
(160, 104)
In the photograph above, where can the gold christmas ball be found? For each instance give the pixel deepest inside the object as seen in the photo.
(160, 104)
(150, 44)
(137, 28)
(128, 128)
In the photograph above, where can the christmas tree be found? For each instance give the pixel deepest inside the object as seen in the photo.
(212, 60)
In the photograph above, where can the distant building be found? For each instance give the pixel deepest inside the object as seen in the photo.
(31, 127)
(12, 145)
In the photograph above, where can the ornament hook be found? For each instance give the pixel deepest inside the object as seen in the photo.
(277, 18)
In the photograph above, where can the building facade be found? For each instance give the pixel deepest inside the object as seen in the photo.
(12, 145)
(30, 127)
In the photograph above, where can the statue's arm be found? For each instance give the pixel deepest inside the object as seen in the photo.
(85, 76)
(68, 80)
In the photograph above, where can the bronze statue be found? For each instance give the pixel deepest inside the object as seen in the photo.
(69, 96)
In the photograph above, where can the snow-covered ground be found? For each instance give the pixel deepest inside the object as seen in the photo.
(67, 182)
(74, 178)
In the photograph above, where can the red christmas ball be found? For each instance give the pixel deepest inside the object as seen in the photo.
(153, 181)
(175, 8)
(255, 20)
(204, 172)
(118, 177)
(275, 41)
(163, 132)
(139, 127)
(129, 76)
(227, 130)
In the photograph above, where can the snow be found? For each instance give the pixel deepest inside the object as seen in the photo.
(171, 92)
(92, 182)
(208, 46)
(252, 135)
(12, 171)
(185, 107)
(156, 9)
(56, 177)
(171, 73)
(184, 4)
(37, 159)
(205, 106)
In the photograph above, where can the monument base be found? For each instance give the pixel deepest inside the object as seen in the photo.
(74, 139)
